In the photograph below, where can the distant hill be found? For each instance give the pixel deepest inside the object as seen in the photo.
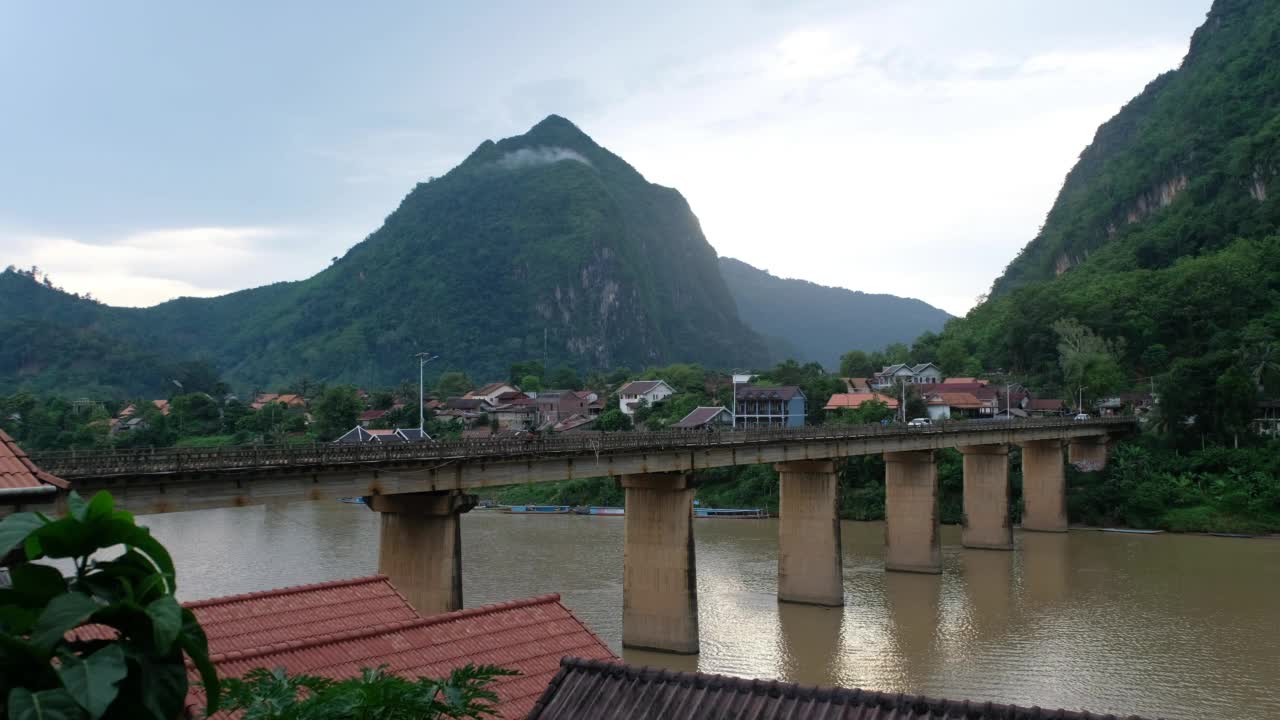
(541, 238)
(816, 323)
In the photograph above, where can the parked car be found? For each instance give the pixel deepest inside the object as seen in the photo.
(1082, 416)
(920, 422)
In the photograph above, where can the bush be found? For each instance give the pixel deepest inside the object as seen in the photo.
(48, 672)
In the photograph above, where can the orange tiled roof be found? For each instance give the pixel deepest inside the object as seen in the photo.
(855, 400)
(529, 636)
(17, 470)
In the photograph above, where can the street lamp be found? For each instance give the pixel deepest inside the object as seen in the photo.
(1080, 400)
(423, 359)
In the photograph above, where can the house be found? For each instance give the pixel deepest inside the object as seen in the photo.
(706, 418)
(519, 413)
(921, 374)
(360, 435)
(961, 405)
(1045, 407)
(490, 393)
(854, 400)
(162, 406)
(857, 385)
(556, 405)
(760, 406)
(586, 689)
(371, 416)
(636, 392)
(334, 629)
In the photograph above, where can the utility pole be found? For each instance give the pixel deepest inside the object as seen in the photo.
(423, 359)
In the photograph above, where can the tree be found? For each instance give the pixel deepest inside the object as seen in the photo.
(523, 369)
(195, 414)
(564, 378)
(453, 384)
(1087, 359)
(613, 420)
(869, 412)
(531, 383)
(138, 670)
(375, 695)
(856, 363)
(336, 411)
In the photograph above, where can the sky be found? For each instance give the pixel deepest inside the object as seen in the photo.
(156, 150)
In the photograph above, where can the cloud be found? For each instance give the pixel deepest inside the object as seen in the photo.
(529, 157)
(150, 266)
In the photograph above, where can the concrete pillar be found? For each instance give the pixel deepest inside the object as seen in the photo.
(912, 542)
(1044, 487)
(659, 580)
(420, 547)
(986, 498)
(810, 564)
(1088, 453)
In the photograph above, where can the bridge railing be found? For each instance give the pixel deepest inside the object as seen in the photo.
(149, 461)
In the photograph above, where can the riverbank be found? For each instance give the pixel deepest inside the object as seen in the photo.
(1215, 490)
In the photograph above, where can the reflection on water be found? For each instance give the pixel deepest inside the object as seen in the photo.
(1172, 626)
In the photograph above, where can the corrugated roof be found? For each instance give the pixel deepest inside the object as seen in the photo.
(855, 400)
(586, 689)
(17, 470)
(529, 636)
(700, 416)
(757, 392)
(639, 387)
(1047, 404)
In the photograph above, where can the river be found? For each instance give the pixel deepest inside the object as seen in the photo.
(1162, 626)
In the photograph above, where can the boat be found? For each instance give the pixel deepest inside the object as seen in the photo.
(1243, 536)
(731, 513)
(537, 509)
(1131, 531)
(354, 500)
(599, 510)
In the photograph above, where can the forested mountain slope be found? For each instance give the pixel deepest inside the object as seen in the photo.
(541, 240)
(1162, 244)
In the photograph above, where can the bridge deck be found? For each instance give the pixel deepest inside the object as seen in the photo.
(160, 480)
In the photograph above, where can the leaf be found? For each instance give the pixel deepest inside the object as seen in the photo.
(92, 681)
(76, 506)
(54, 704)
(161, 687)
(100, 507)
(194, 643)
(15, 529)
(166, 622)
(62, 614)
(36, 584)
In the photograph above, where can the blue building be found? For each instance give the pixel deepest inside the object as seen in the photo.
(762, 407)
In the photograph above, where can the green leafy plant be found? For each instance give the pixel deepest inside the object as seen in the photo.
(376, 695)
(131, 662)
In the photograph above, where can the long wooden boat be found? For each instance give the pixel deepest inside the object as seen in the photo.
(600, 510)
(537, 509)
(358, 500)
(1132, 531)
(731, 513)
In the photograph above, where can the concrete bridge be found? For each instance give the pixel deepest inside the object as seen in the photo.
(421, 490)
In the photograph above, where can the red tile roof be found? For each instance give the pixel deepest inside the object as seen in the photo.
(529, 636)
(17, 470)
(243, 622)
(372, 415)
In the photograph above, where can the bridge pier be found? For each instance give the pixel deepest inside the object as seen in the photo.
(810, 563)
(912, 542)
(1088, 453)
(1044, 487)
(659, 580)
(420, 546)
(986, 498)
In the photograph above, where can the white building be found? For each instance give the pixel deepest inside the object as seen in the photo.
(893, 375)
(631, 395)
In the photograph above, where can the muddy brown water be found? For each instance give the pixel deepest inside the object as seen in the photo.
(1157, 625)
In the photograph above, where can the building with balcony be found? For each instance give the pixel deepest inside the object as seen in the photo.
(762, 407)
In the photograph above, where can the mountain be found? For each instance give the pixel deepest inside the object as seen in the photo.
(541, 240)
(1162, 249)
(816, 323)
